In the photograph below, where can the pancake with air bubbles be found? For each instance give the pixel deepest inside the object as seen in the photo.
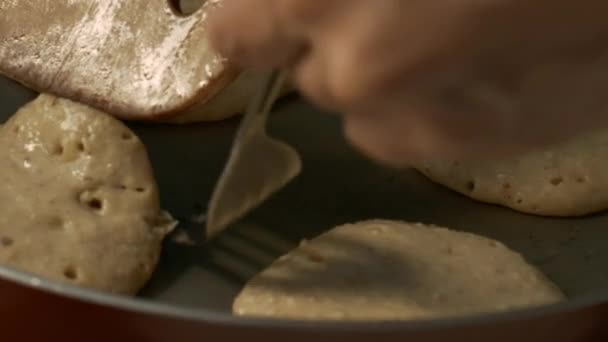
(388, 270)
(79, 202)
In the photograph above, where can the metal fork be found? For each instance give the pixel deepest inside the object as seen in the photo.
(258, 165)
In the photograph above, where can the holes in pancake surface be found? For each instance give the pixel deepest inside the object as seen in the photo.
(69, 149)
(449, 250)
(555, 181)
(57, 150)
(70, 273)
(470, 186)
(92, 201)
(6, 241)
(123, 187)
(126, 136)
(95, 204)
(580, 180)
(143, 268)
(55, 223)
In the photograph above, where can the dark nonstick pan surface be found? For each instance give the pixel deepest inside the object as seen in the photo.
(191, 293)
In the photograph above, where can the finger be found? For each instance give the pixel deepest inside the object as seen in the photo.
(410, 133)
(302, 12)
(396, 140)
(333, 60)
(310, 75)
(265, 33)
(250, 33)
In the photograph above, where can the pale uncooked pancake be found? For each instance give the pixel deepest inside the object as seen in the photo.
(387, 270)
(568, 180)
(78, 200)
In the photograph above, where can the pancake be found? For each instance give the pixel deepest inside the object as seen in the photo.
(78, 200)
(563, 181)
(137, 60)
(388, 270)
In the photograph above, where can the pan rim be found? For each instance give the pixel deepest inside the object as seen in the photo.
(144, 306)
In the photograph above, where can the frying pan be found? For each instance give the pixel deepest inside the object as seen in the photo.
(190, 295)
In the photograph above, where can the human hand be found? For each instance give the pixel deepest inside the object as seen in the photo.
(425, 79)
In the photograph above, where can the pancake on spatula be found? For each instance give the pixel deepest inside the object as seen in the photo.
(137, 59)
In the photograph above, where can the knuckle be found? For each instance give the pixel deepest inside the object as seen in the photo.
(313, 86)
(348, 82)
(376, 141)
(302, 11)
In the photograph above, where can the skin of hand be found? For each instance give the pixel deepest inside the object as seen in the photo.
(434, 79)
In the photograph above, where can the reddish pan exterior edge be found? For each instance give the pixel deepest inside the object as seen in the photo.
(28, 314)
